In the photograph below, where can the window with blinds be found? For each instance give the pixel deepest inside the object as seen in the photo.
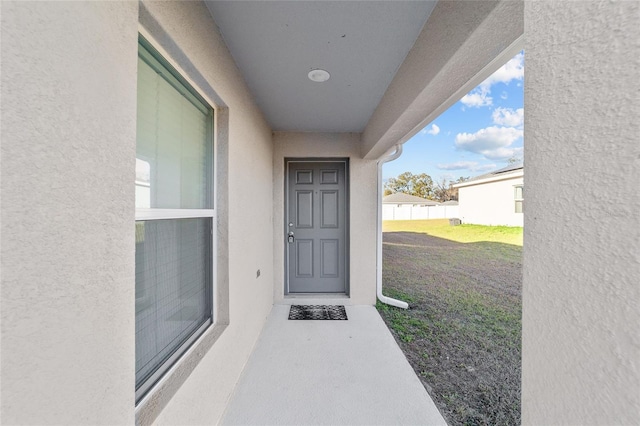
(174, 217)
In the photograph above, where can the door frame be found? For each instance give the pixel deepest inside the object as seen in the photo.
(347, 232)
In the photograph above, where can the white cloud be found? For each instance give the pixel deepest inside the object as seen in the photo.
(504, 95)
(467, 165)
(503, 154)
(512, 70)
(484, 167)
(508, 117)
(481, 95)
(477, 97)
(434, 130)
(458, 165)
(492, 142)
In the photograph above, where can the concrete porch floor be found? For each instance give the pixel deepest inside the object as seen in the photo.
(329, 372)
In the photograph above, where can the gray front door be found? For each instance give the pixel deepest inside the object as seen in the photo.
(316, 226)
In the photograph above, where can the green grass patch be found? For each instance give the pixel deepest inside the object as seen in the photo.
(462, 333)
(462, 233)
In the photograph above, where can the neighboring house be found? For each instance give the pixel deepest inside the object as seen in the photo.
(400, 206)
(495, 198)
(238, 148)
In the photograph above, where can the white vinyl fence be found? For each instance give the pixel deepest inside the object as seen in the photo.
(417, 212)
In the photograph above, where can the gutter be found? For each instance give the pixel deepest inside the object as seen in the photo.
(496, 178)
(381, 297)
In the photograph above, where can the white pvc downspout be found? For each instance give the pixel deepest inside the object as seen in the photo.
(381, 297)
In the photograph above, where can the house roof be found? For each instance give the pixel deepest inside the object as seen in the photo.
(450, 203)
(387, 81)
(402, 198)
(511, 171)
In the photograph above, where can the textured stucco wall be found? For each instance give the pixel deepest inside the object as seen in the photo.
(492, 203)
(362, 207)
(68, 149)
(189, 35)
(581, 345)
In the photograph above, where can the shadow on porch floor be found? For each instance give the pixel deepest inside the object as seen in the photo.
(329, 372)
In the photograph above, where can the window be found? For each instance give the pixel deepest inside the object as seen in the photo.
(174, 217)
(519, 197)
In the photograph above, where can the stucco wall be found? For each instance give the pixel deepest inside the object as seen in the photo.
(68, 154)
(362, 207)
(581, 345)
(189, 35)
(491, 203)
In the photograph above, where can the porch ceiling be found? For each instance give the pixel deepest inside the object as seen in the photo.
(395, 65)
(361, 44)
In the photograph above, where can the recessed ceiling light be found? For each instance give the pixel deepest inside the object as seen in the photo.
(319, 76)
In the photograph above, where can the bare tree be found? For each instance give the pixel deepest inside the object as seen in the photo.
(444, 190)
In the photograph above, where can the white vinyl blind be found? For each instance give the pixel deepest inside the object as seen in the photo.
(172, 291)
(173, 146)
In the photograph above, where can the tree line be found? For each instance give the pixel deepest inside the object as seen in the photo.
(421, 185)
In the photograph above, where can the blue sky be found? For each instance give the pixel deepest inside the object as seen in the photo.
(479, 133)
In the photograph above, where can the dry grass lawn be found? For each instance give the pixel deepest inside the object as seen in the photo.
(462, 333)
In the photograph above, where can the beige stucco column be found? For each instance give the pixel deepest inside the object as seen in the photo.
(581, 345)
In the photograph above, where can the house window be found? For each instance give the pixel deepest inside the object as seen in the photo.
(174, 217)
(519, 197)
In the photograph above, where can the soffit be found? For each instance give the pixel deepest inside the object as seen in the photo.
(360, 43)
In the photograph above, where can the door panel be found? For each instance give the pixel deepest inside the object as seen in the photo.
(304, 209)
(329, 209)
(329, 258)
(316, 219)
(304, 176)
(304, 258)
(328, 176)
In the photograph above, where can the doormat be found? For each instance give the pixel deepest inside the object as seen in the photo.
(317, 312)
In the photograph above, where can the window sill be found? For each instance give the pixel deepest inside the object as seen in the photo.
(149, 407)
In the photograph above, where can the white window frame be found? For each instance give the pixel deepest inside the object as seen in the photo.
(149, 214)
(518, 200)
